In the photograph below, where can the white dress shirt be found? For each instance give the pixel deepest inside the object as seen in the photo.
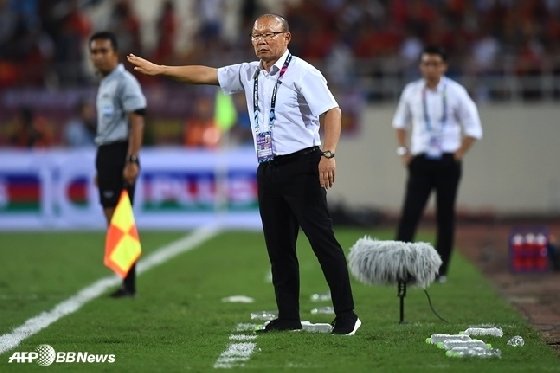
(446, 113)
(302, 96)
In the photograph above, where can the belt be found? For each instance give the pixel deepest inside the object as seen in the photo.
(113, 143)
(283, 158)
(443, 156)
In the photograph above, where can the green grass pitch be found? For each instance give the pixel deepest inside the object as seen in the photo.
(178, 323)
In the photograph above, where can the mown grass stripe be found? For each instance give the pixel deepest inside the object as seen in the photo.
(37, 323)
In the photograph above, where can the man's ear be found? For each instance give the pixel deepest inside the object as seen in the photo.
(288, 36)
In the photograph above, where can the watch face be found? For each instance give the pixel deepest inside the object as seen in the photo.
(401, 150)
(328, 154)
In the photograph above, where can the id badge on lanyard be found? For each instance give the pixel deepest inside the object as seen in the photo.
(435, 145)
(264, 147)
(434, 150)
(264, 139)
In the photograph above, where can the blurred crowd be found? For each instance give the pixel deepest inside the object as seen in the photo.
(43, 43)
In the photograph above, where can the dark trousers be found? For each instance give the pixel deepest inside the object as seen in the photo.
(290, 197)
(424, 175)
(129, 282)
(109, 163)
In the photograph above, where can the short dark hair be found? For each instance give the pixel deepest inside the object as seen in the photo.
(284, 21)
(105, 35)
(437, 50)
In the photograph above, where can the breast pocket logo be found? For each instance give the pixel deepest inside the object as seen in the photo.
(107, 110)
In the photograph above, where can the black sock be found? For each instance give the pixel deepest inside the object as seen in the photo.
(129, 282)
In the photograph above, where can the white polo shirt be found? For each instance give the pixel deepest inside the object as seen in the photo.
(447, 111)
(302, 96)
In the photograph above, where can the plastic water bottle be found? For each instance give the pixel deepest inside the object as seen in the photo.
(437, 338)
(516, 341)
(467, 349)
(483, 330)
(449, 344)
(461, 352)
(316, 328)
(264, 315)
(323, 311)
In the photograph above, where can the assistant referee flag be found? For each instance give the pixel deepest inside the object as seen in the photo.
(122, 247)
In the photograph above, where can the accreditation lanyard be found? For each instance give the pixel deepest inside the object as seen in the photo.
(427, 119)
(256, 110)
(435, 146)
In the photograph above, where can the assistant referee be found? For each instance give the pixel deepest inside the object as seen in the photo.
(121, 108)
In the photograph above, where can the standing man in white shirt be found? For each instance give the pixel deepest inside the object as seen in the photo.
(445, 124)
(288, 100)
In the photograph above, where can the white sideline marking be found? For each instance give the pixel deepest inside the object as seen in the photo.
(244, 327)
(75, 302)
(239, 351)
(242, 337)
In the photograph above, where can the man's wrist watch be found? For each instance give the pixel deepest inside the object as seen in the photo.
(133, 159)
(402, 150)
(327, 154)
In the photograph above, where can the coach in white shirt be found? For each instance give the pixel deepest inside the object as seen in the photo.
(444, 123)
(289, 100)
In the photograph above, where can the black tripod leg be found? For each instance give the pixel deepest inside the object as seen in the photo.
(401, 293)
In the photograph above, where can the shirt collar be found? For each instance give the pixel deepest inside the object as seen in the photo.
(118, 69)
(441, 85)
(277, 65)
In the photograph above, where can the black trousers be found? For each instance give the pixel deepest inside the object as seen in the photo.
(290, 196)
(109, 163)
(424, 175)
(110, 160)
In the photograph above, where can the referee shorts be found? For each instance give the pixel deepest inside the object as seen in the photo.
(109, 164)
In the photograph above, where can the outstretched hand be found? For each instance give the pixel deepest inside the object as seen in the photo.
(144, 66)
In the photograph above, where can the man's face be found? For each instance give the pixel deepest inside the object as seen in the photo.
(268, 39)
(103, 55)
(432, 66)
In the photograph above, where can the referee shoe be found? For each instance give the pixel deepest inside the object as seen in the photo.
(122, 293)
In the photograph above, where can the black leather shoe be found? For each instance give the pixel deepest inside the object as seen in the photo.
(279, 325)
(346, 325)
(122, 293)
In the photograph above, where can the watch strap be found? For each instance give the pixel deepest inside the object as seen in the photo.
(133, 159)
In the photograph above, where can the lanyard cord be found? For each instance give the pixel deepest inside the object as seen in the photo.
(427, 118)
(256, 110)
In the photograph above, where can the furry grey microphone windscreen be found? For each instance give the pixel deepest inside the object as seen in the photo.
(378, 262)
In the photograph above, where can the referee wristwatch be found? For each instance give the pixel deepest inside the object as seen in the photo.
(133, 159)
(327, 154)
